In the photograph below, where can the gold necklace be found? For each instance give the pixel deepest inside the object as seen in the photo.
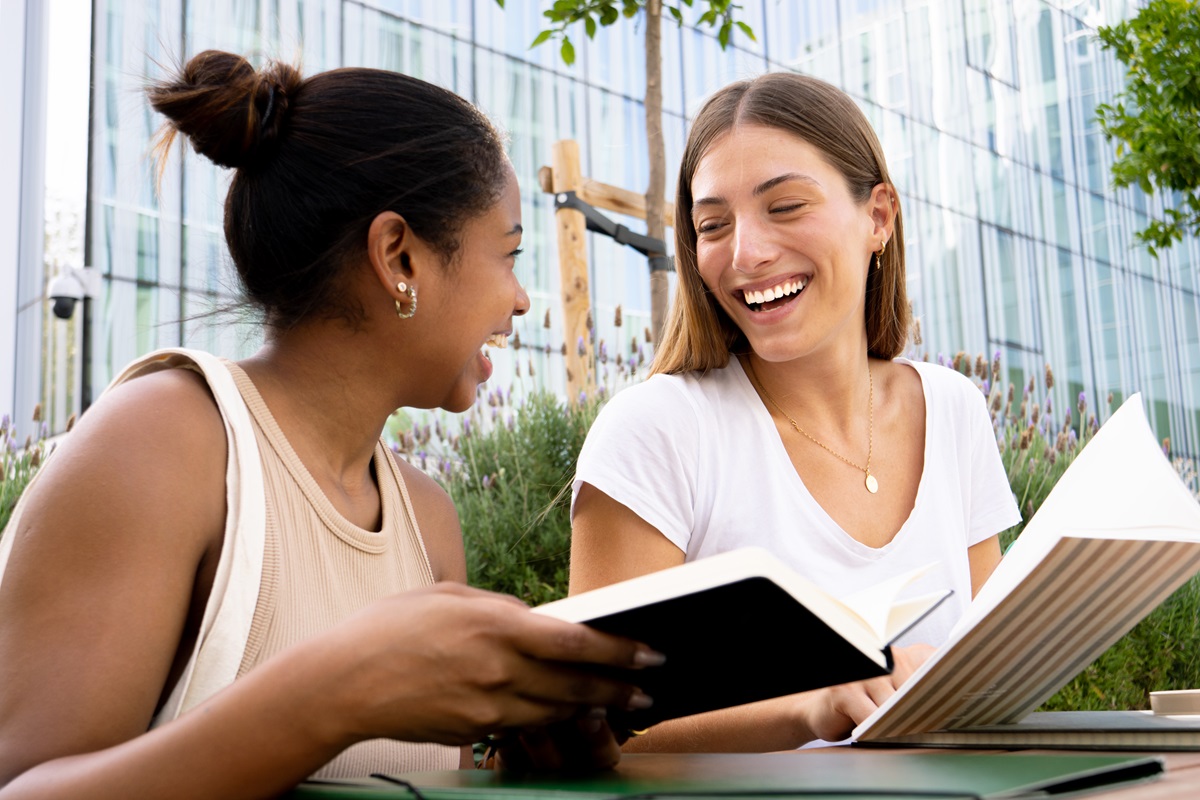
(871, 483)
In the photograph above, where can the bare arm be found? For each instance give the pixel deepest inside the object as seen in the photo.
(438, 520)
(983, 557)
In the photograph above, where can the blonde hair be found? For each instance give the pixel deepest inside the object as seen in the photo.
(698, 334)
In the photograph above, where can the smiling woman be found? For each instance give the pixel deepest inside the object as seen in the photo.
(223, 581)
(779, 413)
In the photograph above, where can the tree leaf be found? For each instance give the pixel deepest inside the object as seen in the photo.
(609, 15)
(500, 3)
(723, 35)
(589, 25)
(540, 38)
(567, 51)
(746, 29)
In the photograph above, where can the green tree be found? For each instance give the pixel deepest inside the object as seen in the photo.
(718, 14)
(1155, 119)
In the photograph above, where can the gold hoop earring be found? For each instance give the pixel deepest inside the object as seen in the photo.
(879, 254)
(411, 291)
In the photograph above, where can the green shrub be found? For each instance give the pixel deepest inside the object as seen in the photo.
(508, 471)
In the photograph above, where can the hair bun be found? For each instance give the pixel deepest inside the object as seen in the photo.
(232, 113)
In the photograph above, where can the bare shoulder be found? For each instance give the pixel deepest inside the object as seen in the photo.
(438, 520)
(153, 448)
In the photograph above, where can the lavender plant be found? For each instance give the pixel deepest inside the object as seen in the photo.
(18, 463)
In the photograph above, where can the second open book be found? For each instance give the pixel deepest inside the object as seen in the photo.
(1118, 533)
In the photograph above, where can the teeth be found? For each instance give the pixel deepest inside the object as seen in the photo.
(767, 295)
(498, 341)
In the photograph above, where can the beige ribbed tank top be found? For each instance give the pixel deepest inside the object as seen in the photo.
(319, 569)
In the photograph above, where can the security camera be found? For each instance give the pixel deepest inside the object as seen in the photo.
(71, 285)
(64, 291)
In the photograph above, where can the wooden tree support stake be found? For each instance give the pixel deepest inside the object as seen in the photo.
(566, 176)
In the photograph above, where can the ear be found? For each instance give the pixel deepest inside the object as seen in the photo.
(396, 253)
(881, 206)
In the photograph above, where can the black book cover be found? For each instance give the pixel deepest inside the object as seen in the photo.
(733, 644)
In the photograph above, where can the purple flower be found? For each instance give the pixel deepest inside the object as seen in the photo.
(487, 481)
(987, 386)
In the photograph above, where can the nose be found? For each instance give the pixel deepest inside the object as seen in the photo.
(521, 308)
(752, 246)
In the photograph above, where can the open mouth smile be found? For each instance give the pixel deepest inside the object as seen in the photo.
(498, 341)
(774, 296)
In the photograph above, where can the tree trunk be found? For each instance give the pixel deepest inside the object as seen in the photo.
(658, 161)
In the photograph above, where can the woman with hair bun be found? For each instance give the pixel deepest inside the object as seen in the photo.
(779, 412)
(223, 582)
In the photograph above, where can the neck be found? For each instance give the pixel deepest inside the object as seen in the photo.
(324, 389)
(825, 394)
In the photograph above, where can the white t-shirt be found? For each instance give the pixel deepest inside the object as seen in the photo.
(699, 458)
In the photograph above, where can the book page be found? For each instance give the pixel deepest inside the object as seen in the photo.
(1120, 532)
(875, 605)
(1119, 484)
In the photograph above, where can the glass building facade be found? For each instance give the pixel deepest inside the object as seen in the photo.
(1016, 241)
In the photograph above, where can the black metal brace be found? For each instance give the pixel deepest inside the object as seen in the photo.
(598, 223)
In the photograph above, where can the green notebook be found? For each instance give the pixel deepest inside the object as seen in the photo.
(844, 774)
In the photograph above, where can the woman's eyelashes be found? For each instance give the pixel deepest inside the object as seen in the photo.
(713, 225)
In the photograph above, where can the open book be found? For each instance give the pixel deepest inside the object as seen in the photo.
(740, 627)
(1118, 533)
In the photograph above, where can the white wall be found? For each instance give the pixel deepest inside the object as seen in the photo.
(23, 68)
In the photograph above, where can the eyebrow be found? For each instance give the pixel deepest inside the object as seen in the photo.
(762, 188)
(516, 229)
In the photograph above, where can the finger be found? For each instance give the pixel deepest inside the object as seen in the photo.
(555, 640)
(879, 690)
(907, 660)
(474, 593)
(854, 702)
(548, 682)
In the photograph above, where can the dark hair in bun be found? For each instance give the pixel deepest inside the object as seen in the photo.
(318, 159)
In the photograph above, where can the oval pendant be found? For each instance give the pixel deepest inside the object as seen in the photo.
(872, 484)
